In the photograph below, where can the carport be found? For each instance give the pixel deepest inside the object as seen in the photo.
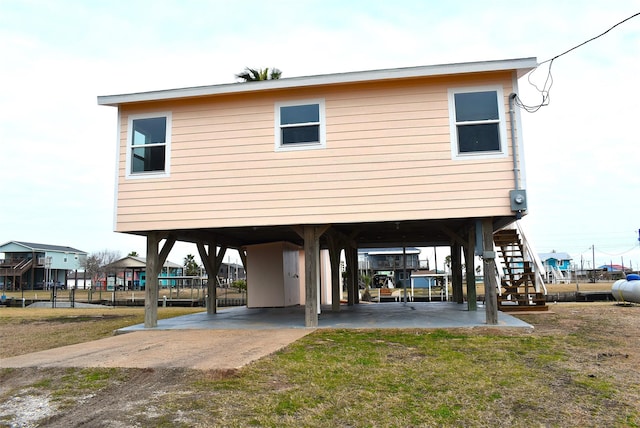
(465, 237)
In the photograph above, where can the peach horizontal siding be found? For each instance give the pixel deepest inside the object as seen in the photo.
(387, 158)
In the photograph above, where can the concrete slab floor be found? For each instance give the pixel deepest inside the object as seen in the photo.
(362, 316)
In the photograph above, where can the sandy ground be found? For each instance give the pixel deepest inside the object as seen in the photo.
(192, 349)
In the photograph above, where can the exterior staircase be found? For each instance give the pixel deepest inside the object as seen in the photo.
(15, 269)
(520, 287)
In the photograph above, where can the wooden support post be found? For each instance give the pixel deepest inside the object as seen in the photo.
(456, 272)
(211, 263)
(155, 260)
(311, 262)
(334, 258)
(351, 274)
(490, 281)
(218, 259)
(347, 278)
(166, 249)
(208, 267)
(354, 275)
(151, 293)
(243, 257)
(472, 298)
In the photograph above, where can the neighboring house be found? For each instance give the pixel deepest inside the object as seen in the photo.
(557, 266)
(31, 266)
(612, 267)
(420, 156)
(614, 271)
(230, 272)
(129, 273)
(390, 261)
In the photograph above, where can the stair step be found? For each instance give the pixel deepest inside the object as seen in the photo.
(518, 282)
(523, 308)
(524, 299)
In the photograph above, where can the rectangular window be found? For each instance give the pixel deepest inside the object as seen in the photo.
(477, 123)
(299, 125)
(148, 145)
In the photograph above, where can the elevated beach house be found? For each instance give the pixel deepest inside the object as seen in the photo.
(32, 266)
(280, 169)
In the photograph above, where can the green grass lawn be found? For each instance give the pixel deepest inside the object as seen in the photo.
(412, 378)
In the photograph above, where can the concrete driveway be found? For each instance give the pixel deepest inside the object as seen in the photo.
(194, 349)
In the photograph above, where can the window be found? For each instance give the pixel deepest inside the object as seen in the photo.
(300, 125)
(477, 123)
(148, 145)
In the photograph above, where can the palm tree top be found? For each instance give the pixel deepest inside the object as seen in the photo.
(253, 75)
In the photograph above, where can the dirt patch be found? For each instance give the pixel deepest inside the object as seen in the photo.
(610, 329)
(108, 404)
(128, 392)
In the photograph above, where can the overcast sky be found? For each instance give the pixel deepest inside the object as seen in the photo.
(57, 146)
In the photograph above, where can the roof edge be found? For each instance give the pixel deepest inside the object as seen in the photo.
(521, 65)
(44, 247)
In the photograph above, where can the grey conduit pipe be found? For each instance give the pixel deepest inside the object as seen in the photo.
(514, 144)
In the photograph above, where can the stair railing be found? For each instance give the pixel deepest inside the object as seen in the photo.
(499, 272)
(532, 256)
(23, 265)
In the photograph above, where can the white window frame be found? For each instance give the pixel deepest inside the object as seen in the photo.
(502, 125)
(167, 144)
(279, 147)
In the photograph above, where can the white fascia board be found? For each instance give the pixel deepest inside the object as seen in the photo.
(521, 65)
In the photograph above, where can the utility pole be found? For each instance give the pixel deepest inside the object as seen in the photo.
(593, 258)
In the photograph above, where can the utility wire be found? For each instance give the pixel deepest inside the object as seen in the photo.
(590, 40)
(548, 83)
(616, 254)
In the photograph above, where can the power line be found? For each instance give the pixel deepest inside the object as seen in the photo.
(632, 249)
(590, 40)
(548, 83)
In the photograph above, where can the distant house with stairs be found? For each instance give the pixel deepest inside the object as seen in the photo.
(390, 262)
(32, 266)
(558, 267)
